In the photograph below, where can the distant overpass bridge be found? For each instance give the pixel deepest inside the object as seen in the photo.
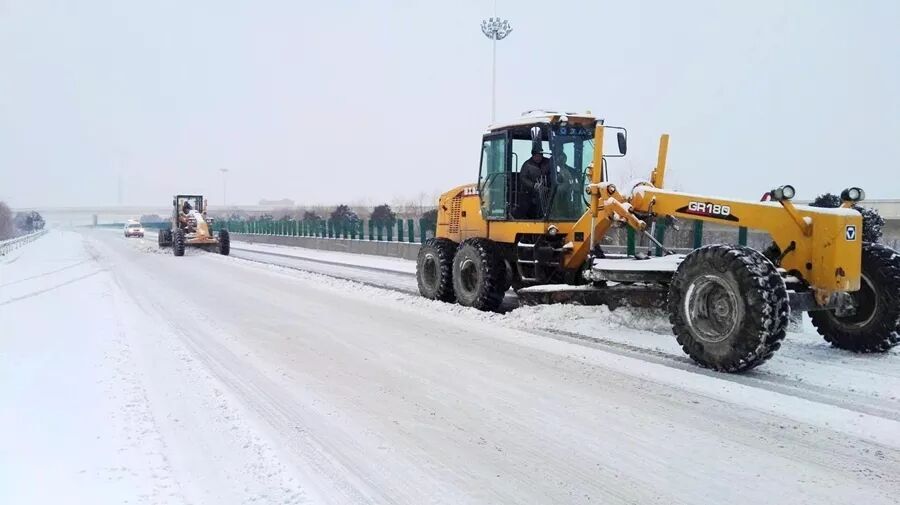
(77, 216)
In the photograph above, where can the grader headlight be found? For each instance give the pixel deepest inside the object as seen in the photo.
(783, 193)
(853, 195)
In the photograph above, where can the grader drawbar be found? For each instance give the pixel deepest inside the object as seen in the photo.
(543, 203)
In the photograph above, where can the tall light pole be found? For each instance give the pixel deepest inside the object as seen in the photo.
(495, 29)
(224, 187)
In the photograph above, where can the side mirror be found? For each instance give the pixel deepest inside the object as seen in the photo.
(623, 142)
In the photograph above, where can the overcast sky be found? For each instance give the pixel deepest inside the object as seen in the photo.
(337, 101)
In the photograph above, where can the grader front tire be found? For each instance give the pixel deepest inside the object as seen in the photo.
(178, 242)
(875, 327)
(728, 307)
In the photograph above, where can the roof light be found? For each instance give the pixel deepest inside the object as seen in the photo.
(853, 195)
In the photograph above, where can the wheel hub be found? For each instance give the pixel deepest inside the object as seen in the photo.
(429, 269)
(712, 308)
(468, 275)
(863, 305)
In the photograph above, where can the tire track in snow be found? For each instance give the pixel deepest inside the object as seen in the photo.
(51, 288)
(44, 274)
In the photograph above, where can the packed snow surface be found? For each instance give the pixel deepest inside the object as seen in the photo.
(132, 376)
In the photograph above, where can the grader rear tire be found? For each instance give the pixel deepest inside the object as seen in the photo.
(728, 307)
(178, 242)
(434, 269)
(164, 238)
(479, 274)
(224, 243)
(876, 325)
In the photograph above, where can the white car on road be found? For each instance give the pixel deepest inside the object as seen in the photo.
(134, 229)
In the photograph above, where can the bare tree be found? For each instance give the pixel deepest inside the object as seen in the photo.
(7, 230)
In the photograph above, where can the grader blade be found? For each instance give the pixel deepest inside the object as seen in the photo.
(613, 296)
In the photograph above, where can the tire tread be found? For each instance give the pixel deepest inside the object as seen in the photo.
(766, 298)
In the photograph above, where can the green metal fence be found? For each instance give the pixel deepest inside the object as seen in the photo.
(690, 238)
(418, 230)
(399, 230)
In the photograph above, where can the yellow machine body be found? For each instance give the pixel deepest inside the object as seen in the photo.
(202, 235)
(823, 247)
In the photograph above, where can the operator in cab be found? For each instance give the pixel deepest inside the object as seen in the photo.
(185, 212)
(534, 180)
(568, 198)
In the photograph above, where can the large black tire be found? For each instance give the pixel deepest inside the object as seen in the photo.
(178, 242)
(434, 269)
(509, 275)
(728, 307)
(164, 238)
(224, 242)
(479, 274)
(876, 325)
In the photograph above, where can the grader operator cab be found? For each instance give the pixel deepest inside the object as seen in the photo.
(543, 203)
(190, 227)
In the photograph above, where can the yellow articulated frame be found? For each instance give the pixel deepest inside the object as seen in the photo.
(822, 245)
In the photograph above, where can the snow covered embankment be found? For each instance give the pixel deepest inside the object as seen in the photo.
(99, 404)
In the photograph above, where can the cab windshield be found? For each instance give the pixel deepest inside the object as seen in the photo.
(572, 148)
(193, 201)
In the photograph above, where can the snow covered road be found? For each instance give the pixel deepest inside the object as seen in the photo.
(130, 375)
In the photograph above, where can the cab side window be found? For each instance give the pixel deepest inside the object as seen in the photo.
(493, 177)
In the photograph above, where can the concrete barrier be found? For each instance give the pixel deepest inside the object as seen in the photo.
(403, 250)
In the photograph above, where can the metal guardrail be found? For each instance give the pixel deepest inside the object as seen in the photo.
(14, 243)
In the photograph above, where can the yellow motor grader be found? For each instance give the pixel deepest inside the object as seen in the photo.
(543, 202)
(191, 227)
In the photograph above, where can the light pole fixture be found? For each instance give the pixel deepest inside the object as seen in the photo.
(495, 29)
